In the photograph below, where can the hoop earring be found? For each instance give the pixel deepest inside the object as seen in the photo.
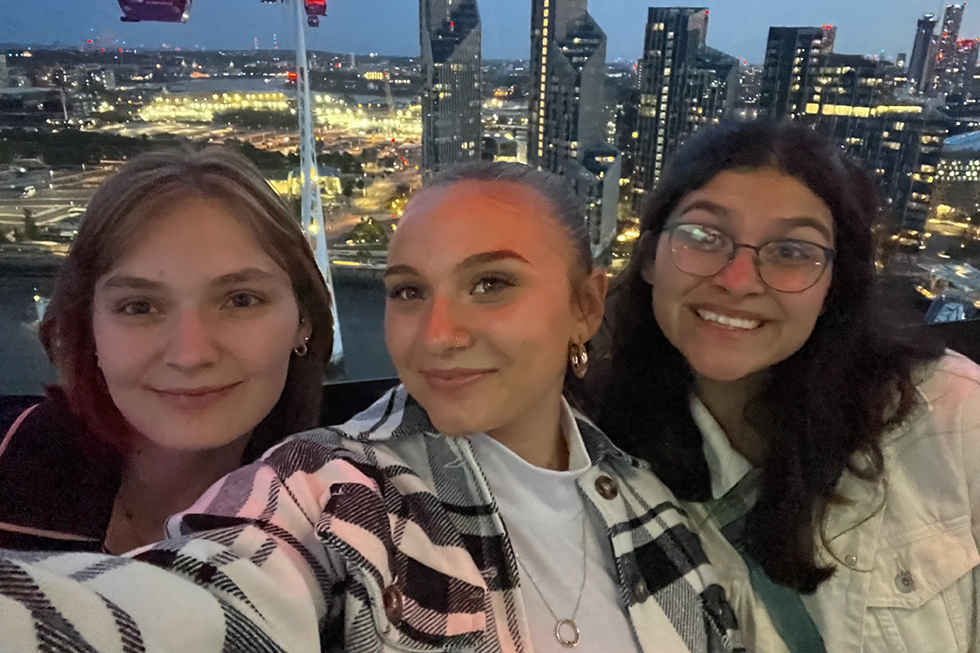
(579, 359)
(302, 350)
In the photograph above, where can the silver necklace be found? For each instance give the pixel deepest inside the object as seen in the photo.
(564, 624)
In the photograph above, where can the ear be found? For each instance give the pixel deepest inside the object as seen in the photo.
(591, 304)
(303, 332)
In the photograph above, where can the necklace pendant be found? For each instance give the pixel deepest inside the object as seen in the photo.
(561, 633)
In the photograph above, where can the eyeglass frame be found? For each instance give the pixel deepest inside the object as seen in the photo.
(669, 230)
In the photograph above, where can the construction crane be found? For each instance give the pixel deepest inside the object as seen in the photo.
(307, 13)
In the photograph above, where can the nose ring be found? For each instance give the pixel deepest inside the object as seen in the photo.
(456, 341)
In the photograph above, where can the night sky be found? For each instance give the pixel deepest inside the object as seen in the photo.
(738, 27)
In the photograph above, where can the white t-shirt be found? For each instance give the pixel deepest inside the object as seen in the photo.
(544, 513)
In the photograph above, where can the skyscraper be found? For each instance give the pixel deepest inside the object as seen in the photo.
(451, 42)
(674, 41)
(792, 53)
(924, 31)
(898, 136)
(946, 49)
(960, 68)
(568, 110)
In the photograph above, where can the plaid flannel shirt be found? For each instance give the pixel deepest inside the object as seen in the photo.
(377, 535)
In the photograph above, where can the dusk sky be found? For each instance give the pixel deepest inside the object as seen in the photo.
(391, 26)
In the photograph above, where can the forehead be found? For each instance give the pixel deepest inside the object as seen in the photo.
(760, 194)
(468, 217)
(193, 235)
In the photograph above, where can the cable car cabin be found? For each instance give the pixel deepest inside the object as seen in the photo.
(162, 11)
(315, 9)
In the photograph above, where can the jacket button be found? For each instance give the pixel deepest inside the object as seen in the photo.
(606, 487)
(640, 591)
(851, 560)
(905, 582)
(394, 606)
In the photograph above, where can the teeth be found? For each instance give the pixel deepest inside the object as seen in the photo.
(724, 320)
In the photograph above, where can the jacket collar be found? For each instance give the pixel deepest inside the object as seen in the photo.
(397, 415)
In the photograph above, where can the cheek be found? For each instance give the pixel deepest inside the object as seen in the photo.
(398, 337)
(120, 352)
(665, 293)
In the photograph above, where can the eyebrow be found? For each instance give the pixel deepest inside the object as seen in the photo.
(469, 261)
(245, 275)
(129, 282)
(798, 221)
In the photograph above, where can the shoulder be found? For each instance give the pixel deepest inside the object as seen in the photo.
(950, 388)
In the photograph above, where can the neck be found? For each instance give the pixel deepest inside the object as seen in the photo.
(537, 437)
(726, 401)
(158, 482)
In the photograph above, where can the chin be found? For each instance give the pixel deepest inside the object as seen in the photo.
(455, 424)
(723, 373)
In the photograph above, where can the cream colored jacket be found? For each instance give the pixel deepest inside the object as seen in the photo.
(906, 548)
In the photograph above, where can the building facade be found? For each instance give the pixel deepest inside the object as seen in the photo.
(568, 118)
(792, 53)
(922, 52)
(896, 134)
(947, 61)
(451, 42)
(674, 42)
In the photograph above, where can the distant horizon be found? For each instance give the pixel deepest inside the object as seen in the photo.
(876, 28)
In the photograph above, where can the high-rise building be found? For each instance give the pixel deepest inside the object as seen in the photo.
(960, 67)
(714, 87)
(902, 60)
(451, 38)
(897, 135)
(674, 41)
(4, 73)
(792, 53)
(946, 60)
(568, 121)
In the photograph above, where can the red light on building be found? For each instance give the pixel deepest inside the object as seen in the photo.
(292, 76)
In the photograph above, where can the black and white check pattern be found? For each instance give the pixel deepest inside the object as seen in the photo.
(297, 551)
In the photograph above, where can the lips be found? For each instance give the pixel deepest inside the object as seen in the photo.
(195, 398)
(454, 379)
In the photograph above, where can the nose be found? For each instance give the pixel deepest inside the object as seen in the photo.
(443, 327)
(740, 276)
(192, 342)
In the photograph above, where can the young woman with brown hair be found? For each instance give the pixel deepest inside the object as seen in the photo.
(189, 328)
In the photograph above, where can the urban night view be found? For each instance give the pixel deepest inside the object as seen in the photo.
(382, 94)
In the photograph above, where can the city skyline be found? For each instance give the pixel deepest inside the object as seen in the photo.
(739, 29)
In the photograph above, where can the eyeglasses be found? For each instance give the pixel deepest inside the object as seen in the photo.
(786, 265)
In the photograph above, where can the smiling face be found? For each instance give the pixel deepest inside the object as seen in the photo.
(731, 326)
(194, 326)
(480, 309)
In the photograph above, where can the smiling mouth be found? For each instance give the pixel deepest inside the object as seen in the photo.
(195, 399)
(727, 321)
(197, 392)
(455, 378)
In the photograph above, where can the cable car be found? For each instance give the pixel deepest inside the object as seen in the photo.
(163, 11)
(315, 9)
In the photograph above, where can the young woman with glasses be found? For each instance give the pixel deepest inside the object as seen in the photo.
(832, 463)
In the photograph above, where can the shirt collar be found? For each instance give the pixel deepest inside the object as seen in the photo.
(726, 465)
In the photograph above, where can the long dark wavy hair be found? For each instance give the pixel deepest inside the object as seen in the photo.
(850, 382)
